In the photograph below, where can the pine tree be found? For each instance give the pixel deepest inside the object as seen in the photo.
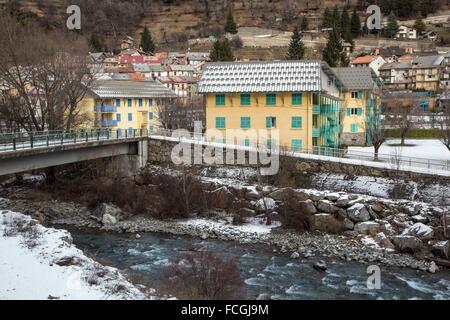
(147, 44)
(296, 49)
(221, 51)
(419, 25)
(336, 19)
(392, 26)
(327, 20)
(304, 24)
(230, 25)
(346, 31)
(95, 43)
(333, 53)
(355, 24)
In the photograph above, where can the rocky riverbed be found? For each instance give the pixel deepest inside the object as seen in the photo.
(346, 226)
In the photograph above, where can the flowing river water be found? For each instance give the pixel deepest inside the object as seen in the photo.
(265, 272)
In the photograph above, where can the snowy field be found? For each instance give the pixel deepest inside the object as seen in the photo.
(38, 263)
(426, 148)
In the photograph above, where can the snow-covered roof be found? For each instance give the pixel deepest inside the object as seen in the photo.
(427, 61)
(131, 89)
(265, 76)
(361, 78)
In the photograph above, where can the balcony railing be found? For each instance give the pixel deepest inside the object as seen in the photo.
(108, 109)
(316, 132)
(109, 123)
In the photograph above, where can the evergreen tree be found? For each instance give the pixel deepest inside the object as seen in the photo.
(147, 44)
(336, 19)
(221, 51)
(392, 26)
(95, 43)
(304, 24)
(230, 25)
(346, 31)
(327, 20)
(419, 25)
(355, 24)
(296, 49)
(333, 53)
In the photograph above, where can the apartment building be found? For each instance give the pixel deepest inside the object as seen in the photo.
(127, 104)
(361, 100)
(299, 98)
(427, 72)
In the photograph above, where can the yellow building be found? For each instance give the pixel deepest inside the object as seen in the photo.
(361, 98)
(299, 98)
(128, 105)
(427, 72)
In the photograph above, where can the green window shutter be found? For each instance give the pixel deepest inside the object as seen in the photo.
(268, 122)
(220, 99)
(359, 111)
(296, 98)
(247, 143)
(296, 145)
(349, 111)
(245, 122)
(354, 127)
(220, 122)
(296, 122)
(245, 99)
(359, 94)
(271, 99)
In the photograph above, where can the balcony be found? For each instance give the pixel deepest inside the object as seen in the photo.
(316, 132)
(316, 108)
(109, 123)
(108, 109)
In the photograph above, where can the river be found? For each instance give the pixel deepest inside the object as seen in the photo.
(265, 272)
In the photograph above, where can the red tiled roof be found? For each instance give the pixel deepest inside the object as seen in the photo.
(364, 59)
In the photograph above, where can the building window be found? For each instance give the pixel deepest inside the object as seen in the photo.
(150, 115)
(117, 102)
(354, 111)
(129, 102)
(354, 127)
(130, 131)
(150, 102)
(220, 99)
(140, 102)
(296, 122)
(130, 117)
(245, 99)
(246, 143)
(271, 99)
(354, 94)
(245, 122)
(118, 117)
(296, 145)
(271, 122)
(296, 98)
(220, 122)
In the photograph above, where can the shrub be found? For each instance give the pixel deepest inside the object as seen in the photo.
(204, 275)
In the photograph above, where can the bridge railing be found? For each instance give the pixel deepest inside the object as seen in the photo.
(38, 139)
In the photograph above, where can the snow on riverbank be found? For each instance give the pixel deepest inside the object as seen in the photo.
(39, 263)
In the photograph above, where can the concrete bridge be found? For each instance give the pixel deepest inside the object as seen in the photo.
(24, 152)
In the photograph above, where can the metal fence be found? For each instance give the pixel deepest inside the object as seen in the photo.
(39, 139)
(24, 140)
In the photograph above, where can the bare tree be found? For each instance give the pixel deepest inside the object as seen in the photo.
(401, 116)
(42, 86)
(374, 129)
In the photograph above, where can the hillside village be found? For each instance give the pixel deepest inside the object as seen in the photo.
(150, 134)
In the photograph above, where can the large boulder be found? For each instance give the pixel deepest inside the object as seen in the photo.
(252, 194)
(332, 196)
(343, 201)
(406, 243)
(383, 241)
(108, 213)
(419, 218)
(265, 204)
(367, 227)
(301, 195)
(420, 231)
(377, 207)
(442, 249)
(108, 219)
(358, 213)
(308, 207)
(327, 206)
(327, 223)
(282, 194)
